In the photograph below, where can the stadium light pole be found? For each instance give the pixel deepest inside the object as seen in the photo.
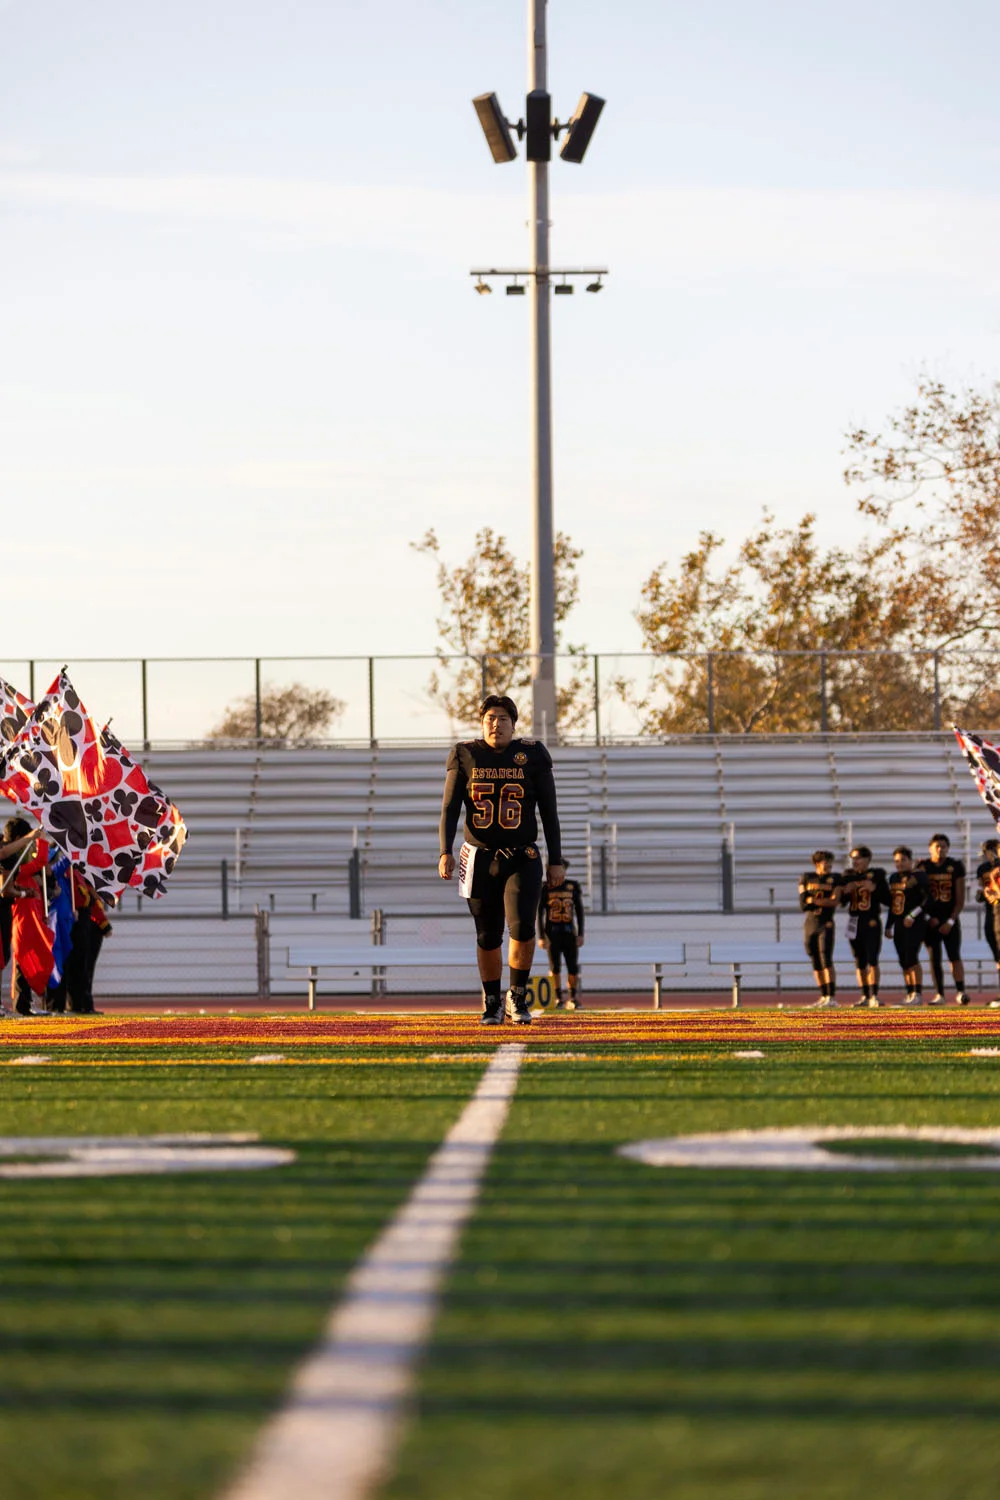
(540, 129)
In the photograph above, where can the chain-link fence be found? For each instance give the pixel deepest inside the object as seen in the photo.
(603, 698)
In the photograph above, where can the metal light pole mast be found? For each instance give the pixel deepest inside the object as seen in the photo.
(538, 130)
(543, 577)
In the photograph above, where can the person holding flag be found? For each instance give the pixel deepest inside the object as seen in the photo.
(31, 940)
(12, 850)
(89, 931)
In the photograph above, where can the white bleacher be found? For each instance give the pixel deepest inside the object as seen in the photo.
(214, 791)
(781, 797)
(662, 820)
(308, 808)
(401, 845)
(659, 811)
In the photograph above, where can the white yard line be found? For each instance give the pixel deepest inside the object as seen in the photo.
(336, 1436)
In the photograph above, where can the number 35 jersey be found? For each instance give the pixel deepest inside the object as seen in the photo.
(504, 793)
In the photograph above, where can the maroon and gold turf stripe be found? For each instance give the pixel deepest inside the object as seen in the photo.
(614, 1027)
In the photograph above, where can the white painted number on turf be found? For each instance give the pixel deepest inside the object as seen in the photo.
(134, 1155)
(801, 1148)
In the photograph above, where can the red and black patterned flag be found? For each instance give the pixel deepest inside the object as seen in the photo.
(160, 850)
(984, 763)
(15, 711)
(94, 801)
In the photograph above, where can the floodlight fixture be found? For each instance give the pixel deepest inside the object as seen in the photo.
(483, 288)
(515, 289)
(538, 126)
(564, 289)
(595, 286)
(581, 127)
(495, 127)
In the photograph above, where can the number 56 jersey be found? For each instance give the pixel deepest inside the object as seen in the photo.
(504, 793)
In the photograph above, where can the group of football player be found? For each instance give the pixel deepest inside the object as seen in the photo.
(923, 901)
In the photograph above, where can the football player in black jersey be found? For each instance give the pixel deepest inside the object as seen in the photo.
(947, 898)
(865, 893)
(501, 782)
(909, 891)
(988, 875)
(560, 930)
(819, 896)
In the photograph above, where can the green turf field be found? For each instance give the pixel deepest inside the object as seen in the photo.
(612, 1330)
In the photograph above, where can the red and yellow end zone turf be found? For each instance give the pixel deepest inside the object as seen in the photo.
(593, 1028)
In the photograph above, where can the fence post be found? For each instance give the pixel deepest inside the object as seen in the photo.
(604, 879)
(238, 868)
(225, 890)
(824, 723)
(31, 681)
(371, 700)
(727, 877)
(257, 712)
(354, 883)
(711, 693)
(378, 939)
(145, 707)
(597, 699)
(262, 933)
(937, 690)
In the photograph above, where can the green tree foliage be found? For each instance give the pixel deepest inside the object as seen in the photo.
(932, 490)
(922, 590)
(287, 714)
(484, 628)
(755, 625)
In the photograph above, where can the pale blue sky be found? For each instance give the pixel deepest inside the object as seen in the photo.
(242, 367)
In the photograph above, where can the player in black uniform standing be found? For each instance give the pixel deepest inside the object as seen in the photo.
(988, 875)
(560, 930)
(909, 892)
(865, 893)
(501, 781)
(947, 882)
(819, 896)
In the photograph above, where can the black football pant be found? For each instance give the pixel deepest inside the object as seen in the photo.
(951, 942)
(866, 945)
(81, 963)
(563, 944)
(511, 895)
(908, 941)
(991, 924)
(819, 936)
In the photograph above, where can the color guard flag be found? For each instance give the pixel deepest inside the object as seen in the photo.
(15, 710)
(94, 801)
(984, 763)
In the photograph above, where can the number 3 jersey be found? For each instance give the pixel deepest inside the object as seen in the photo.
(504, 793)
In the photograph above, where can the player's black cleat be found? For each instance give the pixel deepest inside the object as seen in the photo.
(494, 1012)
(519, 1007)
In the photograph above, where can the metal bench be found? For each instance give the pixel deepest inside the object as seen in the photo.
(313, 956)
(739, 956)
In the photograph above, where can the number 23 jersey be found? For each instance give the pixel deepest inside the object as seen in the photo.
(504, 792)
